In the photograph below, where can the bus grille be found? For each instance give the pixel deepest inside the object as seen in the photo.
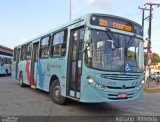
(113, 87)
(122, 77)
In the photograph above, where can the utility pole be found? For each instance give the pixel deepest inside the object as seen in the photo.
(70, 9)
(150, 26)
(143, 10)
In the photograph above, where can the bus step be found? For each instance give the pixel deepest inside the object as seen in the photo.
(33, 86)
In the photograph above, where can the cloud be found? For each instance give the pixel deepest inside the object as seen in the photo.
(23, 40)
(76, 7)
(101, 4)
(91, 1)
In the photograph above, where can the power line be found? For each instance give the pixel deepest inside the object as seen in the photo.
(143, 10)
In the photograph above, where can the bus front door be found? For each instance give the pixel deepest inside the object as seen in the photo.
(75, 62)
(34, 64)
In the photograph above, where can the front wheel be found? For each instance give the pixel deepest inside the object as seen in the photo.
(55, 93)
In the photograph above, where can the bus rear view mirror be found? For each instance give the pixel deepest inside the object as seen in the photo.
(87, 35)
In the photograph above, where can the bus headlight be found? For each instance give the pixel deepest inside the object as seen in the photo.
(90, 81)
(94, 84)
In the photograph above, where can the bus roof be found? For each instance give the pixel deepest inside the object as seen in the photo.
(85, 17)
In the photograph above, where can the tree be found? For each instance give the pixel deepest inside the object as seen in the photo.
(155, 59)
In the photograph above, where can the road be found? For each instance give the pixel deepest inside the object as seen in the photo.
(17, 101)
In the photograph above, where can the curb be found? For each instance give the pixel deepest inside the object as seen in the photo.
(151, 90)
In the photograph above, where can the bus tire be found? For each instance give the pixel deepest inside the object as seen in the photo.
(6, 72)
(55, 93)
(21, 80)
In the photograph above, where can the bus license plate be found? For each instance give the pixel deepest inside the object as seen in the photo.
(122, 95)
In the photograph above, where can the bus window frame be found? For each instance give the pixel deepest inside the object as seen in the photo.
(26, 58)
(23, 59)
(14, 55)
(48, 46)
(65, 36)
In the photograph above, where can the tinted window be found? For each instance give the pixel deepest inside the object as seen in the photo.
(58, 47)
(45, 42)
(23, 52)
(44, 48)
(28, 51)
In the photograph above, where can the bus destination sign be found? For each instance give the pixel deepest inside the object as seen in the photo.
(117, 23)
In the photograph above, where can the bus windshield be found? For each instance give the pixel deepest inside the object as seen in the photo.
(114, 52)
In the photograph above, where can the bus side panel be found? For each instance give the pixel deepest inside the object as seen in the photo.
(35, 73)
(58, 67)
(2, 70)
(43, 76)
(24, 67)
(28, 71)
(46, 68)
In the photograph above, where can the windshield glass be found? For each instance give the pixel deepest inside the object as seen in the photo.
(115, 52)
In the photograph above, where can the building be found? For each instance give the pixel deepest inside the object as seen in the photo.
(6, 51)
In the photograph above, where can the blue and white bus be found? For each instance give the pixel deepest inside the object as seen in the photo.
(5, 65)
(96, 58)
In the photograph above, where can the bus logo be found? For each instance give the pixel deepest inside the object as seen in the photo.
(123, 87)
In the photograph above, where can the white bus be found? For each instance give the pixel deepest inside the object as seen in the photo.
(5, 65)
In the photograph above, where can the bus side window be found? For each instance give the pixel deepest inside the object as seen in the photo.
(5, 60)
(44, 47)
(23, 52)
(58, 45)
(2, 62)
(28, 51)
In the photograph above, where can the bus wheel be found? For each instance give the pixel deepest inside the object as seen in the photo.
(55, 93)
(6, 72)
(21, 80)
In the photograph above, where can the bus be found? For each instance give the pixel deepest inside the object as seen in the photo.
(5, 65)
(96, 58)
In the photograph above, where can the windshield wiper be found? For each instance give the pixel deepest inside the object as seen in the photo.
(131, 41)
(116, 42)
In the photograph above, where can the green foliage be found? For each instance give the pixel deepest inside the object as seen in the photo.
(155, 59)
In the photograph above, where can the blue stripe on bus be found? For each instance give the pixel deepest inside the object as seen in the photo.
(40, 74)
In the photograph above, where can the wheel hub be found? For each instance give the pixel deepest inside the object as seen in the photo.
(57, 92)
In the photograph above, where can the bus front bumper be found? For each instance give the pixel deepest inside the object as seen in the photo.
(92, 95)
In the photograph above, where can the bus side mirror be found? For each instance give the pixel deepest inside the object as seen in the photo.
(87, 38)
(88, 49)
(85, 47)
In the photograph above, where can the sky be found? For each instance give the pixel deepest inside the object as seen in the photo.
(21, 20)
